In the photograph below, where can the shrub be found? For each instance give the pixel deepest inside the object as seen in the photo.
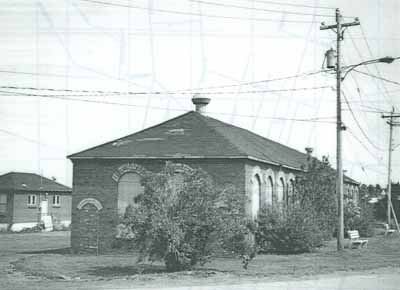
(359, 218)
(315, 193)
(185, 225)
(288, 231)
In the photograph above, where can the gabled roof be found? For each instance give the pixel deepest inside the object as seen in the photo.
(30, 182)
(193, 135)
(350, 180)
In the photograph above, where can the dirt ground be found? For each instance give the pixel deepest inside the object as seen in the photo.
(41, 261)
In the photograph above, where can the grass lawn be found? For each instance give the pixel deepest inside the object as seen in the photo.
(381, 252)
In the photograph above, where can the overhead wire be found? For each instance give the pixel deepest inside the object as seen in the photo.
(359, 125)
(187, 93)
(199, 89)
(371, 54)
(262, 9)
(378, 77)
(178, 12)
(362, 144)
(292, 4)
(319, 120)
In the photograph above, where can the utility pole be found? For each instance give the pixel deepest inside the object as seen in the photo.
(389, 187)
(339, 29)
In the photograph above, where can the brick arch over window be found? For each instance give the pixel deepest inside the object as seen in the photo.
(87, 201)
(128, 168)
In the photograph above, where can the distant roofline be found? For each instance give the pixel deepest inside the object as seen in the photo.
(65, 188)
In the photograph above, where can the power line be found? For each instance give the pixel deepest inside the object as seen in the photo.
(102, 93)
(261, 9)
(292, 4)
(183, 90)
(317, 120)
(195, 13)
(359, 125)
(371, 54)
(28, 139)
(362, 144)
(378, 77)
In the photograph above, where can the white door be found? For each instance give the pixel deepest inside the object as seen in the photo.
(44, 207)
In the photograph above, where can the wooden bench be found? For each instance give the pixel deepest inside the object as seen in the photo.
(355, 240)
(388, 230)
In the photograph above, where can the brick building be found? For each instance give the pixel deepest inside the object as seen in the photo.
(26, 197)
(107, 177)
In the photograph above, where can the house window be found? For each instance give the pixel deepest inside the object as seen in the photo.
(3, 203)
(56, 200)
(31, 200)
(255, 196)
(129, 187)
(269, 190)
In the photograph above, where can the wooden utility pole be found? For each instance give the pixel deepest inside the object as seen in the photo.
(391, 124)
(338, 28)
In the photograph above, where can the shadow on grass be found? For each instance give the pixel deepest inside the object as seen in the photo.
(60, 251)
(117, 271)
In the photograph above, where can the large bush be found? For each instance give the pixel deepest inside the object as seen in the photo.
(187, 223)
(309, 218)
(288, 231)
(315, 192)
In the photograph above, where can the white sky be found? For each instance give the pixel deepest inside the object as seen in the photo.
(79, 45)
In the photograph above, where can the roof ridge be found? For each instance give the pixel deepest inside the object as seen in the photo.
(71, 156)
(204, 120)
(258, 136)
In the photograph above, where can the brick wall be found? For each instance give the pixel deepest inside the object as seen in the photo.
(6, 218)
(93, 179)
(264, 171)
(62, 212)
(22, 213)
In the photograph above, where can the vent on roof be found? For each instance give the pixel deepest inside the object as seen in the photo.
(24, 185)
(180, 131)
(150, 139)
(121, 142)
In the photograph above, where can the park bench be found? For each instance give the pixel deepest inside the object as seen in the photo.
(388, 230)
(355, 240)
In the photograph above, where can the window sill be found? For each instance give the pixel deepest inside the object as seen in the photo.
(56, 205)
(32, 205)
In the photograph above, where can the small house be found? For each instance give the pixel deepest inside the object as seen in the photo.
(27, 199)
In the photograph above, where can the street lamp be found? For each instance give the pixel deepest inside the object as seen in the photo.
(349, 68)
(333, 62)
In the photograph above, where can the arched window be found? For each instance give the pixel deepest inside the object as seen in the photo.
(255, 196)
(128, 188)
(280, 190)
(269, 190)
(290, 192)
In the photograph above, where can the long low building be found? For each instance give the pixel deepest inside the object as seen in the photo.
(106, 178)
